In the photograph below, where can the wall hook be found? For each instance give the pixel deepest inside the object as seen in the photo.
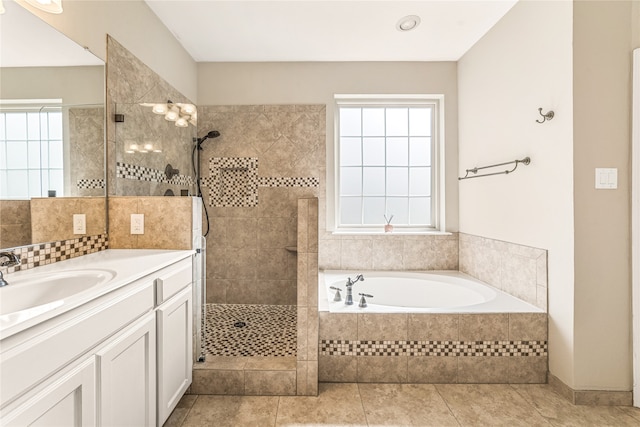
(545, 117)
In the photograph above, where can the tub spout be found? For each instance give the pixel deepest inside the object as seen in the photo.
(349, 298)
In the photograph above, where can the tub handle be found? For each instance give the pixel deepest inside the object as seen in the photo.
(337, 296)
(363, 302)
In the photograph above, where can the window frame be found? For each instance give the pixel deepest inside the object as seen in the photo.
(436, 101)
(39, 106)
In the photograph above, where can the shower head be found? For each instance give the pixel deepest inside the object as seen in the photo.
(211, 134)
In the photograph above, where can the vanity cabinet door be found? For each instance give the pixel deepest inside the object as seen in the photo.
(66, 399)
(127, 376)
(175, 351)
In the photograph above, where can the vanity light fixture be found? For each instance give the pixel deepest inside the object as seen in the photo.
(408, 23)
(2, 11)
(51, 6)
(180, 113)
(173, 114)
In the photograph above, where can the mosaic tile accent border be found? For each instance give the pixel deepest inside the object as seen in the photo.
(90, 183)
(234, 181)
(48, 253)
(267, 330)
(433, 348)
(288, 182)
(142, 173)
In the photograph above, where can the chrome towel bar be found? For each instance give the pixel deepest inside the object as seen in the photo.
(475, 170)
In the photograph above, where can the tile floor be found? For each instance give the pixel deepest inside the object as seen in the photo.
(401, 405)
(251, 330)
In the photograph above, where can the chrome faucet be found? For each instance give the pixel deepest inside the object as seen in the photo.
(349, 298)
(7, 259)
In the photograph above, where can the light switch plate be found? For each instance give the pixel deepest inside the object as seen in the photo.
(606, 178)
(137, 223)
(79, 224)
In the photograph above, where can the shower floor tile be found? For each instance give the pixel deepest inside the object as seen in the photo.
(250, 330)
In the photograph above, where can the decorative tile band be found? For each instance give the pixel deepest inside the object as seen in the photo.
(90, 183)
(433, 348)
(142, 173)
(288, 182)
(234, 181)
(48, 253)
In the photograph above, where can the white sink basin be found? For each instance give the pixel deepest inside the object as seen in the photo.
(45, 291)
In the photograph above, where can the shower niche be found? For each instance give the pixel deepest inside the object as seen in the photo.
(233, 181)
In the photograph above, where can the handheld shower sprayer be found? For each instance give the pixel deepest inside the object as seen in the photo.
(211, 134)
(196, 168)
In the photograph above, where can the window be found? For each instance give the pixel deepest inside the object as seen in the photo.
(388, 164)
(31, 153)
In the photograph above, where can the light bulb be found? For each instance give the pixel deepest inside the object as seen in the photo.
(173, 114)
(182, 122)
(188, 109)
(133, 147)
(159, 108)
(148, 147)
(51, 6)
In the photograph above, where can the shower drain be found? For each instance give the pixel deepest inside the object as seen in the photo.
(240, 324)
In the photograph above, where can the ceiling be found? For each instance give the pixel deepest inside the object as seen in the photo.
(28, 41)
(334, 30)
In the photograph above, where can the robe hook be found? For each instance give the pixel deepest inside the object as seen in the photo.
(546, 116)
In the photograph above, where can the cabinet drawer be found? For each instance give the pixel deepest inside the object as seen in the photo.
(172, 279)
(26, 364)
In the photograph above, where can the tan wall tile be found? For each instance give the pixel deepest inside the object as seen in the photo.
(382, 369)
(209, 381)
(338, 369)
(528, 327)
(432, 370)
(382, 327)
(338, 326)
(528, 370)
(484, 327)
(483, 370)
(270, 383)
(432, 327)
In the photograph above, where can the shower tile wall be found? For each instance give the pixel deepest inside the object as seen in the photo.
(86, 151)
(516, 269)
(250, 258)
(129, 83)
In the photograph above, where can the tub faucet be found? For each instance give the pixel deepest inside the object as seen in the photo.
(7, 259)
(349, 298)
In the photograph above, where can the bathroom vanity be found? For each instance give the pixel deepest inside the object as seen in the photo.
(115, 352)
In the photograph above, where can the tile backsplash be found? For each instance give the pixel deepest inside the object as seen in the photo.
(515, 269)
(47, 253)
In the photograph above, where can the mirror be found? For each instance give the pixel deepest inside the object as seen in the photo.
(52, 132)
(153, 154)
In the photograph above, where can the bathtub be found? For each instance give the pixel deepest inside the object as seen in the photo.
(417, 292)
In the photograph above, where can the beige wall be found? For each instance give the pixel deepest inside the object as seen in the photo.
(52, 217)
(316, 83)
(133, 24)
(167, 222)
(74, 85)
(602, 34)
(503, 80)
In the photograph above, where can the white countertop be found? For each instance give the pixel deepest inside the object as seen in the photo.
(127, 265)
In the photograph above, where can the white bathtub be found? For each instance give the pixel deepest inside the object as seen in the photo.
(417, 292)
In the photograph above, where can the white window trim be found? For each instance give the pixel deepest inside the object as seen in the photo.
(333, 190)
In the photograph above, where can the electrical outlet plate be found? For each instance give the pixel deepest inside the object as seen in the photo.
(79, 224)
(137, 223)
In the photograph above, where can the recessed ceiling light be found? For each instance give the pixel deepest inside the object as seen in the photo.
(408, 23)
